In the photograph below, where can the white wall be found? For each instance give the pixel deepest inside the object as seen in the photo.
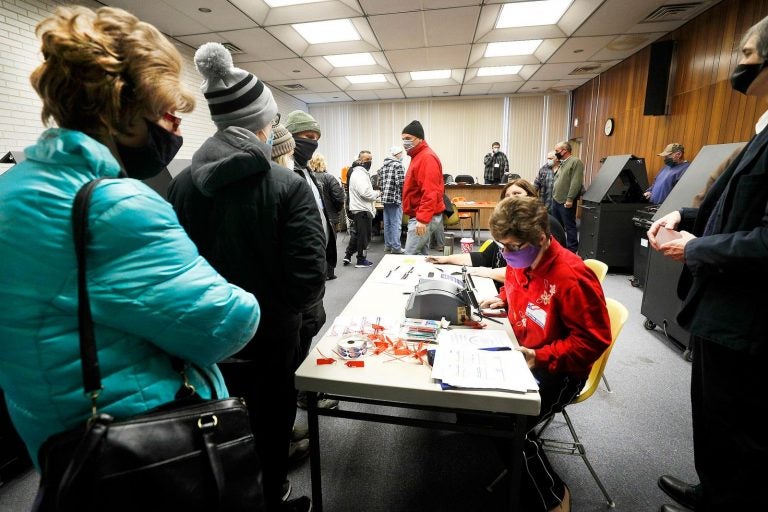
(20, 106)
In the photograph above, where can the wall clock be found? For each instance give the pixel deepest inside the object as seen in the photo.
(609, 125)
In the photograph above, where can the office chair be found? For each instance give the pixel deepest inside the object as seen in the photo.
(598, 267)
(464, 178)
(448, 179)
(601, 270)
(618, 314)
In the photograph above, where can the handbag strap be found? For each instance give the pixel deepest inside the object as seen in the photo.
(89, 361)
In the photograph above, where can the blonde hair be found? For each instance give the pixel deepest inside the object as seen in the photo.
(283, 160)
(103, 69)
(317, 163)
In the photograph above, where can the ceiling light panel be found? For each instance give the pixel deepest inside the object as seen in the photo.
(508, 48)
(366, 79)
(531, 14)
(499, 70)
(350, 60)
(285, 3)
(333, 31)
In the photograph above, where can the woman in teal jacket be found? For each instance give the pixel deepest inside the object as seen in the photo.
(110, 82)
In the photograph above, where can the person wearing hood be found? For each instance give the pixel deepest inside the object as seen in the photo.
(423, 190)
(256, 223)
(391, 178)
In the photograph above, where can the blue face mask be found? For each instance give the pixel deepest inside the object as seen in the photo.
(270, 138)
(523, 258)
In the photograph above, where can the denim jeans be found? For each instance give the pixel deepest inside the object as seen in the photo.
(393, 225)
(415, 244)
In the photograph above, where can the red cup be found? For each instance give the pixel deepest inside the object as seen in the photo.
(467, 244)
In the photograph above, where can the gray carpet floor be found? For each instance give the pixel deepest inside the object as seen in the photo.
(633, 434)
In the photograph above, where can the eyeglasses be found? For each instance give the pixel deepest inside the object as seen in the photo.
(510, 247)
(276, 120)
(175, 121)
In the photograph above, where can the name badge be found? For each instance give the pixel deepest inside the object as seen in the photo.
(535, 313)
(495, 165)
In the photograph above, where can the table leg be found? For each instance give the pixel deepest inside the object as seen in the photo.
(515, 470)
(314, 452)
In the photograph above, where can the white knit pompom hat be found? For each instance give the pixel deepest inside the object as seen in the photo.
(235, 96)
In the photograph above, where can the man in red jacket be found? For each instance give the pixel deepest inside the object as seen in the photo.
(422, 191)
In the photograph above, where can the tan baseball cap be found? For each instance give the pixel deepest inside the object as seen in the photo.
(672, 148)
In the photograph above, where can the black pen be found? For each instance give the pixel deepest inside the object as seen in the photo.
(392, 270)
(405, 276)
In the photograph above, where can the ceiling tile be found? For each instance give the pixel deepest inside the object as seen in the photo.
(475, 89)
(537, 86)
(390, 94)
(505, 87)
(391, 6)
(345, 85)
(625, 45)
(257, 44)
(424, 59)
(577, 49)
(437, 92)
(165, 17)
(223, 15)
(456, 78)
(310, 85)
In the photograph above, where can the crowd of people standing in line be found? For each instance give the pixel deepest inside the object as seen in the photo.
(257, 196)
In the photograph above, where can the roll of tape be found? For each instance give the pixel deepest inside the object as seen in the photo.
(352, 347)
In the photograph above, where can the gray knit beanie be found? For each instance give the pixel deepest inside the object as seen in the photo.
(299, 121)
(235, 96)
(282, 141)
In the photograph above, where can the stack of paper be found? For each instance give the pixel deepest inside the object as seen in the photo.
(481, 360)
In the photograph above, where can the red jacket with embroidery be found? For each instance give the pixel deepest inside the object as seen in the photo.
(423, 188)
(558, 309)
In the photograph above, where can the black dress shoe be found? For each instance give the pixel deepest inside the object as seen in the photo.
(682, 492)
(672, 508)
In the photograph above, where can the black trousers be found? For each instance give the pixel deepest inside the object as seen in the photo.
(361, 236)
(271, 401)
(567, 217)
(730, 444)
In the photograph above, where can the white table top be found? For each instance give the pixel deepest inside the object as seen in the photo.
(402, 381)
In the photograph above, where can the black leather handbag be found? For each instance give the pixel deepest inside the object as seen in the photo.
(190, 454)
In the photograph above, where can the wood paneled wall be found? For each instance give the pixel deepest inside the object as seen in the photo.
(703, 108)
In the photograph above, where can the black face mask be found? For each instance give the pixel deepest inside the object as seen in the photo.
(668, 160)
(559, 156)
(148, 160)
(304, 150)
(744, 74)
(367, 165)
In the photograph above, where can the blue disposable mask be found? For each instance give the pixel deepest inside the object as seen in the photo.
(270, 138)
(550, 162)
(523, 258)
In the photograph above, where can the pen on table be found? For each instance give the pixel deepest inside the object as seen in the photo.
(405, 276)
(496, 349)
(392, 270)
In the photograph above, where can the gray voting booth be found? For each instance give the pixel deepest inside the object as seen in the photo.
(606, 232)
(660, 302)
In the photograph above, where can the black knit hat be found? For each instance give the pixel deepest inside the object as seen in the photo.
(414, 128)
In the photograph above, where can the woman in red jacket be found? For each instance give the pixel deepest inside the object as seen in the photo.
(557, 311)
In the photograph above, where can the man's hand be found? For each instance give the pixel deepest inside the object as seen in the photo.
(675, 249)
(670, 220)
(568, 203)
(421, 229)
(647, 195)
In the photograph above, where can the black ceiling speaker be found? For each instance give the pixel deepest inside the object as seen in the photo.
(659, 85)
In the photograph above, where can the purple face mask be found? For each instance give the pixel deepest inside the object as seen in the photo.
(522, 258)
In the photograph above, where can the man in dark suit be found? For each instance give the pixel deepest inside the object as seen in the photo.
(722, 286)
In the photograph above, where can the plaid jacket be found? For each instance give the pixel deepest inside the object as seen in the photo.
(391, 178)
(543, 183)
(493, 173)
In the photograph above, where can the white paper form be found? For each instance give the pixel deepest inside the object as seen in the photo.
(410, 271)
(475, 338)
(463, 365)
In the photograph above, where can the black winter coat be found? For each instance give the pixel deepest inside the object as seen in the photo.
(257, 224)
